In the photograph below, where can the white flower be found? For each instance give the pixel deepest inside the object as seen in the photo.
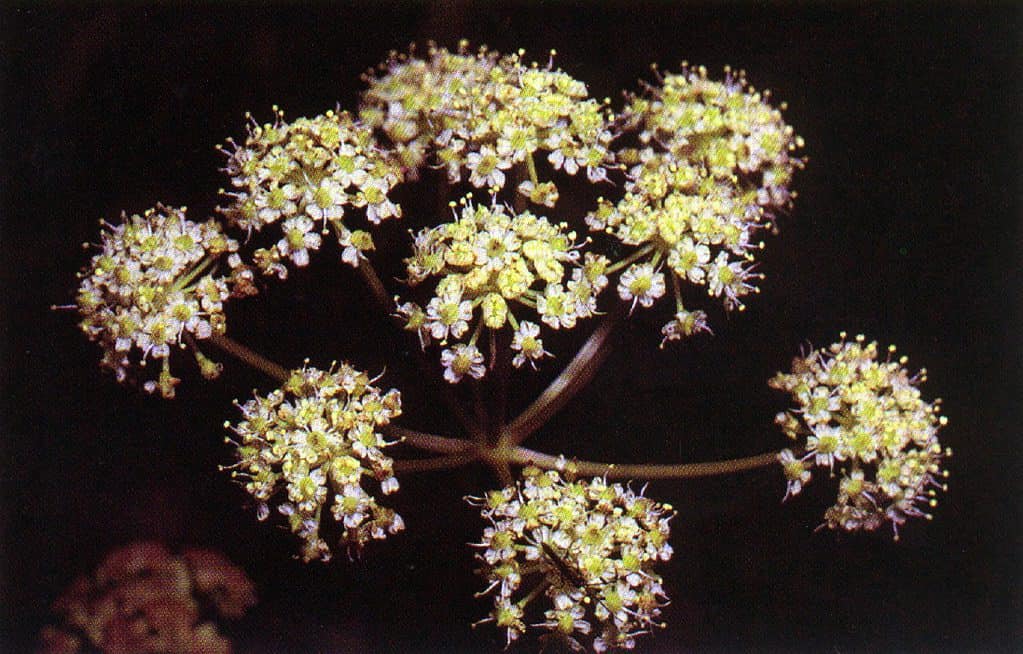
(685, 323)
(448, 314)
(688, 259)
(641, 284)
(462, 360)
(276, 202)
(326, 200)
(486, 167)
(351, 167)
(562, 158)
(378, 206)
(796, 472)
(823, 445)
(415, 320)
(389, 485)
(584, 293)
(298, 240)
(516, 142)
(556, 307)
(495, 247)
(528, 346)
(729, 279)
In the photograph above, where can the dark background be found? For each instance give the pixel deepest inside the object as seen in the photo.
(907, 228)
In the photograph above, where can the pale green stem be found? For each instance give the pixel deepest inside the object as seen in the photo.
(446, 462)
(428, 442)
(531, 167)
(576, 376)
(678, 293)
(636, 471)
(542, 586)
(183, 281)
(249, 357)
(638, 254)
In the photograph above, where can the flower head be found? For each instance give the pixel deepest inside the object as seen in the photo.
(483, 113)
(315, 441)
(495, 266)
(588, 547)
(712, 169)
(864, 418)
(726, 125)
(303, 175)
(151, 288)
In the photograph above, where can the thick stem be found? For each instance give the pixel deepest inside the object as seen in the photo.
(249, 357)
(436, 463)
(503, 472)
(428, 442)
(576, 375)
(635, 471)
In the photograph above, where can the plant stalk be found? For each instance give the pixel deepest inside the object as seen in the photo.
(577, 375)
(251, 358)
(524, 456)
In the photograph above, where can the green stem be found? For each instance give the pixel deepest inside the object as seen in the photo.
(531, 167)
(542, 586)
(638, 254)
(677, 292)
(428, 442)
(249, 357)
(576, 376)
(183, 281)
(525, 456)
(436, 463)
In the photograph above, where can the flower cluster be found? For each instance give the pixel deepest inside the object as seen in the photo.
(304, 174)
(150, 287)
(483, 114)
(712, 168)
(727, 127)
(588, 546)
(497, 261)
(319, 435)
(866, 418)
(144, 599)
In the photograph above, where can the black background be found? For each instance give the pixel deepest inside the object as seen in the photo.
(907, 228)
